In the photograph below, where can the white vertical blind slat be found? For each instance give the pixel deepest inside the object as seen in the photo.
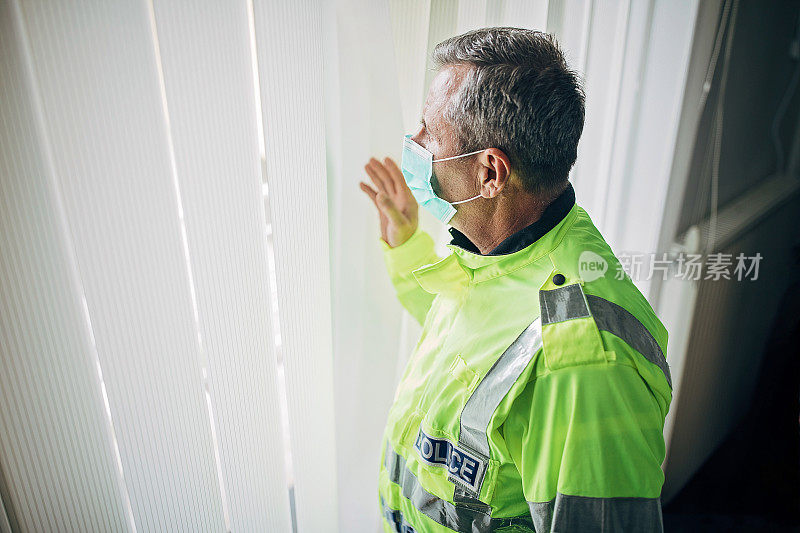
(605, 61)
(364, 120)
(208, 77)
(660, 93)
(96, 65)
(472, 14)
(56, 457)
(529, 14)
(443, 20)
(411, 22)
(624, 132)
(289, 44)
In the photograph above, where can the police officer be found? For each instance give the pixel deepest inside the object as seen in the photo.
(535, 398)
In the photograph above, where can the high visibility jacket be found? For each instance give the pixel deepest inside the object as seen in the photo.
(534, 400)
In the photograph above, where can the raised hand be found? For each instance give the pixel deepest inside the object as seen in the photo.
(397, 207)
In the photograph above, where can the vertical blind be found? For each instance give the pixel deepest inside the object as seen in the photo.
(196, 329)
(133, 177)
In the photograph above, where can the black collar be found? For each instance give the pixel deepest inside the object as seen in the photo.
(553, 214)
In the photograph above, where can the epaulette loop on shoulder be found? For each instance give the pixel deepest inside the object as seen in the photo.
(569, 332)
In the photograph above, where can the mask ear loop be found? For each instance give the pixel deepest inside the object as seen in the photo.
(467, 200)
(456, 157)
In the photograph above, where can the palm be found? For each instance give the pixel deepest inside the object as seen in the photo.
(397, 208)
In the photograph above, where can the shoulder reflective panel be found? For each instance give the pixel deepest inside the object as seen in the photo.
(619, 321)
(483, 402)
(569, 333)
(562, 304)
(455, 517)
(582, 513)
(570, 302)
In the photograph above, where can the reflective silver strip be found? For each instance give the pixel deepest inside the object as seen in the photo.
(556, 305)
(564, 303)
(456, 517)
(396, 519)
(494, 386)
(583, 513)
(619, 321)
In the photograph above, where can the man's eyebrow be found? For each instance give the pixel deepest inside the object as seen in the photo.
(425, 125)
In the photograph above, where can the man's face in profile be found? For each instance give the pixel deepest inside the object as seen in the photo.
(438, 136)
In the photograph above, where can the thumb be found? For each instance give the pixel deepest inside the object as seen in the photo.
(386, 205)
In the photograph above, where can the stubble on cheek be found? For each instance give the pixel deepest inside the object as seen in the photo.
(435, 185)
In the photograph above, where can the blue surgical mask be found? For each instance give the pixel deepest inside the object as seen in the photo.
(417, 167)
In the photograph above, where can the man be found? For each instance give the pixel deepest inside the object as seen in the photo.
(536, 396)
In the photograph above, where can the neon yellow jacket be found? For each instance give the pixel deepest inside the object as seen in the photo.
(534, 400)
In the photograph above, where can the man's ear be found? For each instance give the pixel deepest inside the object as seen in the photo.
(495, 171)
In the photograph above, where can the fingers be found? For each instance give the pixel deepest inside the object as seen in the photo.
(387, 177)
(386, 205)
(380, 176)
(376, 180)
(395, 173)
(370, 192)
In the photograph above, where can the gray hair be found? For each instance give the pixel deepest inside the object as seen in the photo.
(518, 95)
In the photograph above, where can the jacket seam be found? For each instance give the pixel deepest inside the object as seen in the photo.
(578, 365)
